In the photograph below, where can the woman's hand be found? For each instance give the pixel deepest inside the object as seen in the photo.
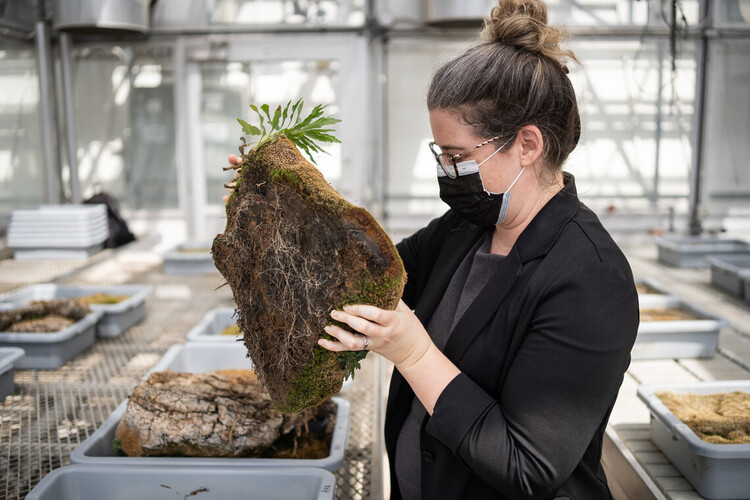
(233, 160)
(396, 335)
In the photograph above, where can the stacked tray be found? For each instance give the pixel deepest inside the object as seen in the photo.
(189, 258)
(93, 482)
(716, 471)
(116, 318)
(58, 231)
(671, 339)
(648, 288)
(691, 251)
(197, 357)
(9, 357)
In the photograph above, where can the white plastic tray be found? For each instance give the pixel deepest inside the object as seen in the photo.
(116, 318)
(661, 291)
(93, 482)
(189, 263)
(677, 339)
(212, 324)
(716, 471)
(53, 349)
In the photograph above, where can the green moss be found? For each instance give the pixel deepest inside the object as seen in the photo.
(287, 177)
(117, 445)
(378, 292)
(315, 383)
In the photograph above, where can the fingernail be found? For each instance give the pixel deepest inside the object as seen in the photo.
(348, 308)
(327, 329)
(334, 313)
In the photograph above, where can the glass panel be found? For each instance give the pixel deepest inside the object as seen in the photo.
(125, 125)
(635, 151)
(732, 13)
(21, 163)
(727, 149)
(619, 12)
(278, 13)
(230, 88)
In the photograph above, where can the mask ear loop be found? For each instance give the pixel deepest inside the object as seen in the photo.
(496, 152)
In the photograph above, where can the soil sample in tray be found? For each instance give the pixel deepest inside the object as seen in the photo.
(42, 316)
(722, 418)
(101, 298)
(667, 314)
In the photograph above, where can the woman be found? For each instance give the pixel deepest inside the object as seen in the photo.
(525, 310)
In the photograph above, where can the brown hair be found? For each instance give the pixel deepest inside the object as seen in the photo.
(517, 77)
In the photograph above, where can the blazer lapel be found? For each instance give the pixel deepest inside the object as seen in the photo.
(485, 306)
(458, 243)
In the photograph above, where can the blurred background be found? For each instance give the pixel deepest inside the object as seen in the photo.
(139, 98)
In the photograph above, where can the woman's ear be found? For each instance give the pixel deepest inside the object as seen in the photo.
(531, 145)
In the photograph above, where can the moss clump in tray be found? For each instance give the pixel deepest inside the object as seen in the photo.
(722, 418)
(667, 314)
(43, 316)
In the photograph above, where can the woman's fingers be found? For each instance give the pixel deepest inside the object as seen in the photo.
(347, 341)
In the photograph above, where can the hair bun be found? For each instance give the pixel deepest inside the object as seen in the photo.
(523, 24)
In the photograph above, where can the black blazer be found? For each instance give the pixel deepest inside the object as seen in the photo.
(542, 353)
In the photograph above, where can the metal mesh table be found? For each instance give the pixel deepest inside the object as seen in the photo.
(53, 411)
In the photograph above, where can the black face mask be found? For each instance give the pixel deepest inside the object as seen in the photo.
(467, 196)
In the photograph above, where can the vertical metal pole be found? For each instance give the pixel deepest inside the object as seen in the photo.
(47, 102)
(70, 122)
(694, 223)
(658, 134)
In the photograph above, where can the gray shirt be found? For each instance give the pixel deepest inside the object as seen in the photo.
(469, 279)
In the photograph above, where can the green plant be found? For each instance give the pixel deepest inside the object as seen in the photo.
(305, 133)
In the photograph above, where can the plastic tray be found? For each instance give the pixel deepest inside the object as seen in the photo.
(212, 324)
(92, 482)
(691, 251)
(9, 357)
(116, 318)
(716, 471)
(660, 291)
(54, 349)
(725, 272)
(181, 262)
(677, 339)
(61, 213)
(97, 449)
(745, 277)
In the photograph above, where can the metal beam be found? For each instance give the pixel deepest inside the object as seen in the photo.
(70, 122)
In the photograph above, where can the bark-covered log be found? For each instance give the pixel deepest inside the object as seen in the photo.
(215, 414)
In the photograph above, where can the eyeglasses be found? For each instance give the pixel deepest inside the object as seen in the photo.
(448, 161)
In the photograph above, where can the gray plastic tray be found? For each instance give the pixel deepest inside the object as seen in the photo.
(9, 357)
(116, 318)
(745, 277)
(725, 272)
(53, 349)
(97, 449)
(92, 482)
(677, 339)
(179, 262)
(716, 471)
(212, 324)
(691, 251)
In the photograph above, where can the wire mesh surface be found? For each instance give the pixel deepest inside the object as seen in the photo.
(52, 411)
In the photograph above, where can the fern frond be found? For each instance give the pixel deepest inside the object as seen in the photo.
(305, 132)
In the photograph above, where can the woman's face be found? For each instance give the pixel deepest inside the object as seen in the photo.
(453, 136)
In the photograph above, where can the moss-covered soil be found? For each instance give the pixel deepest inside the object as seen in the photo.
(292, 251)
